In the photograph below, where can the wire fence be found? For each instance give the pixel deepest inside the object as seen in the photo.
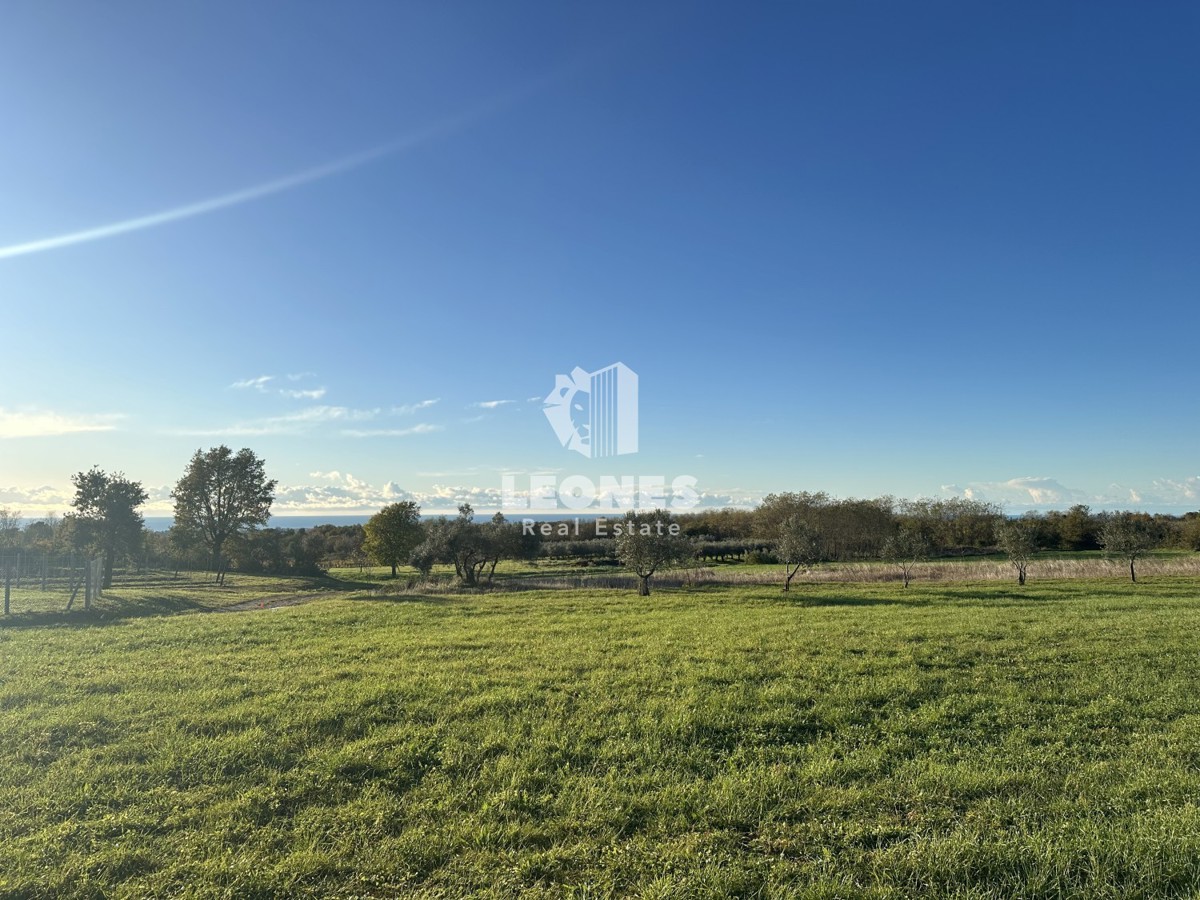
(39, 582)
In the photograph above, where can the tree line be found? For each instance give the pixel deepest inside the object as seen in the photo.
(223, 499)
(795, 531)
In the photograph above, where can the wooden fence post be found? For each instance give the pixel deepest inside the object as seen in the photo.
(7, 585)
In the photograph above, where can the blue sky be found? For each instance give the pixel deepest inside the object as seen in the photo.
(925, 249)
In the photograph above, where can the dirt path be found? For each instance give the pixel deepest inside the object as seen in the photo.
(275, 601)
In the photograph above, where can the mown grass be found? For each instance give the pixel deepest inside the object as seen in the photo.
(967, 740)
(163, 593)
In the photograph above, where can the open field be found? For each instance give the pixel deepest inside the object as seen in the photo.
(571, 574)
(954, 739)
(160, 593)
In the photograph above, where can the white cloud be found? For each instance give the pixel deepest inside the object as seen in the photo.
(343, 492)
(258, 384)
(409, 408)
(390, 432)
(735, 497)
(299, 422)
(449, 497)
(44, 423)
(1042, 492)
(1027, 490)
(43, 497)
(1164, 492)
(263, 382)
(57, 499)
(314, 394)
(491, 404)
(338, 492)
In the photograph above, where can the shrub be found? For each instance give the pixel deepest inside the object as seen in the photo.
(762, 558)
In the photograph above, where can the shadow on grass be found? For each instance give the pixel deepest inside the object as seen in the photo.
(103, 613)
(331, 583)
(111, 608)
(797, 598)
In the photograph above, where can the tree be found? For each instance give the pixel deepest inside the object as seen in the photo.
(1189, 531)
(1017, 538)
(40, 535)
(221, 495)
(515, 542)
(10, 529)
(648, 542)
(468, 547)
(394, 533)
(460, 541)
(907, 547)
(507, 540)
(1078, 529)
(792, 523)
(776, 509)
(798, 545)
(1128, 536)
(107, 516)
(434, 548)
(953, 525)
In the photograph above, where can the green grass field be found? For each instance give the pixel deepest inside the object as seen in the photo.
(965, 739)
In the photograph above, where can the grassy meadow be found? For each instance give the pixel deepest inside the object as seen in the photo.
(959, 739)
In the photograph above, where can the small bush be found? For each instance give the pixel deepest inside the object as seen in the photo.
(762, 558)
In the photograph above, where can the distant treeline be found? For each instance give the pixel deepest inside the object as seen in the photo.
(278, 551)
(860, 529)
(848, 529)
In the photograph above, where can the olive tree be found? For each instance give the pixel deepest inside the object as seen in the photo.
(1128, 536)
(907, 547)
(1017, 539)
(648, 542)
(468, 545)
(798, 546)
